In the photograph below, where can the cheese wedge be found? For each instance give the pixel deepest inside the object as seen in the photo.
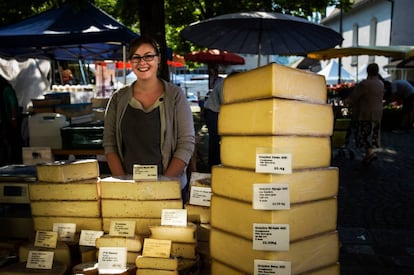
(306, 152)
(181, 234)
(304, 185)
(276, 117)
(61, 252)
(197, 213)
(305, 219)
(66, 208)
(141, 224)
(183, 250)
(66, 171)
(82, 223)
(146, 271)
(275, 80)
(307, 254)
(19, 268)
(115, 188)
(79, 190)
(133, 244)
(137, 209)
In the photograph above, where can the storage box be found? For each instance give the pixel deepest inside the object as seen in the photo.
(72, 110)
(83, 136)
(36, 155)
(44, 130)
(64, 97)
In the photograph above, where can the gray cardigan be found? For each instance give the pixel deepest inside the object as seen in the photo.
(178, 139)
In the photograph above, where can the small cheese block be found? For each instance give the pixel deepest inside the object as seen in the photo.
(183, 250)
(82, 223)
(304, 185)
(133, 244)
(275, 80)
(147, 271)
(19, 268)
(66, 171)
(79, 190)
(181, 234)
(125, 189)
(66, 208)
(276, 117)
(304, 255)
(304, 219)
(141, 224)
(61, 252)
(306, 152)
(137, 209)
(88, 253)
(170, 263)
(197, 213)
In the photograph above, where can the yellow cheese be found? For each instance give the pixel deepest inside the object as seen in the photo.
(183, 250)
(137, 209)
(306, 152)
(115, 188)
(330, 270)
(65, 171)
(141, 224)
(157, 263)
(66, 208)
(275, 117)
(133, 244)
(79, 190)
(183, 234)
(19, 268)
(61, 252)
(304, 185)
(197, 213)
(304, 255)
(275, 80)
(305, 219)
(146, 271)
(82, 223)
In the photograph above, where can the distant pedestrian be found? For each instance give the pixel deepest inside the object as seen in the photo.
(402, 91)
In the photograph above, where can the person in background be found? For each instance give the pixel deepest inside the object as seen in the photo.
(402, 91)
(149, 121)
(367, 107)
(67, 77)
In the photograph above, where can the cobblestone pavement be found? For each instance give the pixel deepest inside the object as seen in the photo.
(376, 208)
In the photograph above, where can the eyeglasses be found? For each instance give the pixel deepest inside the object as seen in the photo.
(146, 58)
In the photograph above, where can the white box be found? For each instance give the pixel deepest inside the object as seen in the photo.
(36, 155)
(44, 130)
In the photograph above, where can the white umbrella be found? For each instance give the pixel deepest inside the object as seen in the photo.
(331, 73)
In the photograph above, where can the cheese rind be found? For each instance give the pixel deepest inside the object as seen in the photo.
(133, 244)
(183, 250)
(66, 171)
(275, 80)
(82, 223)
(305, 219)
(66, 208)
(304, 185)
(79, 190)
(304, 255)
(137, 209)
(157, 263)
(115, 188)
(147, 271)
(275, 117)
(181, 234)
(197, 213)
(141, 224)
(307, 152)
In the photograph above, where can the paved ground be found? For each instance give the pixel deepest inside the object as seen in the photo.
(376, 208)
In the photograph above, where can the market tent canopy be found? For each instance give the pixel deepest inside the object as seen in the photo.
(397, 52)
(70, 28)
(331, 73)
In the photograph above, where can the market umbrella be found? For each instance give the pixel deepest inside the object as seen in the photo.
(215, 56)
(261, 33)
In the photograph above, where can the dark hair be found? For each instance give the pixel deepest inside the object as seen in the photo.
(137, 42)
(372, 69)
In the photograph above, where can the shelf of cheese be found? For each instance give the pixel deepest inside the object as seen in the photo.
(53, 191)
(305, 255)
(137, 209)
(276, 117)
(82, 223)
(180, 234)
(275, 80)
(67, 171)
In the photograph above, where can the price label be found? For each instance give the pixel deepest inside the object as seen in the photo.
(122, 228)
(177, 217)
(40, 259)
(274, 163)
(271, 196)
(88, 237)
(271, 237)
(66, 231)
(156, 248)
(46, 239)
(112, 258)
(145, 172)
(200, 195)
(266, 267)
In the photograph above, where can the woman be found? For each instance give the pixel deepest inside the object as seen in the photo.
(150, 121)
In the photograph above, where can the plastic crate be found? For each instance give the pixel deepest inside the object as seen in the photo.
(83, 136)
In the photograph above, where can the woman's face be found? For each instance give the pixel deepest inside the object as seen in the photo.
(145, 62)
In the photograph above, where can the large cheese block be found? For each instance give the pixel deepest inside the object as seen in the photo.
(125, 189)
(305, 219)
(304, 255)
(66, 208)
(275, 117)
(275, 80)
(79, 190)
(65, 171)
(133, 244)
(82, 223)
(147, 271)
(304, 185)
(306, 152)
(137, 209)
(219, 268)
(183, 234)
(197, 213)
(61, 252)
(141, 224)
(171, 263)
(183, 250)
(19, 268)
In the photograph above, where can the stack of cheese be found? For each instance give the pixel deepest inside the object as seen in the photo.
(132, 244)
(138, 201)
(182, 257)
(265, 214)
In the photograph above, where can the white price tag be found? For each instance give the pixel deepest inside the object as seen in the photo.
(274, 163)
(145, 172)
(66, 231)
(112, 259)
(270, 237)
(88, 237)
(266, 267)
(40, 259)
(177, 217)
(122, 228)
(271, 196)
(200, 195)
